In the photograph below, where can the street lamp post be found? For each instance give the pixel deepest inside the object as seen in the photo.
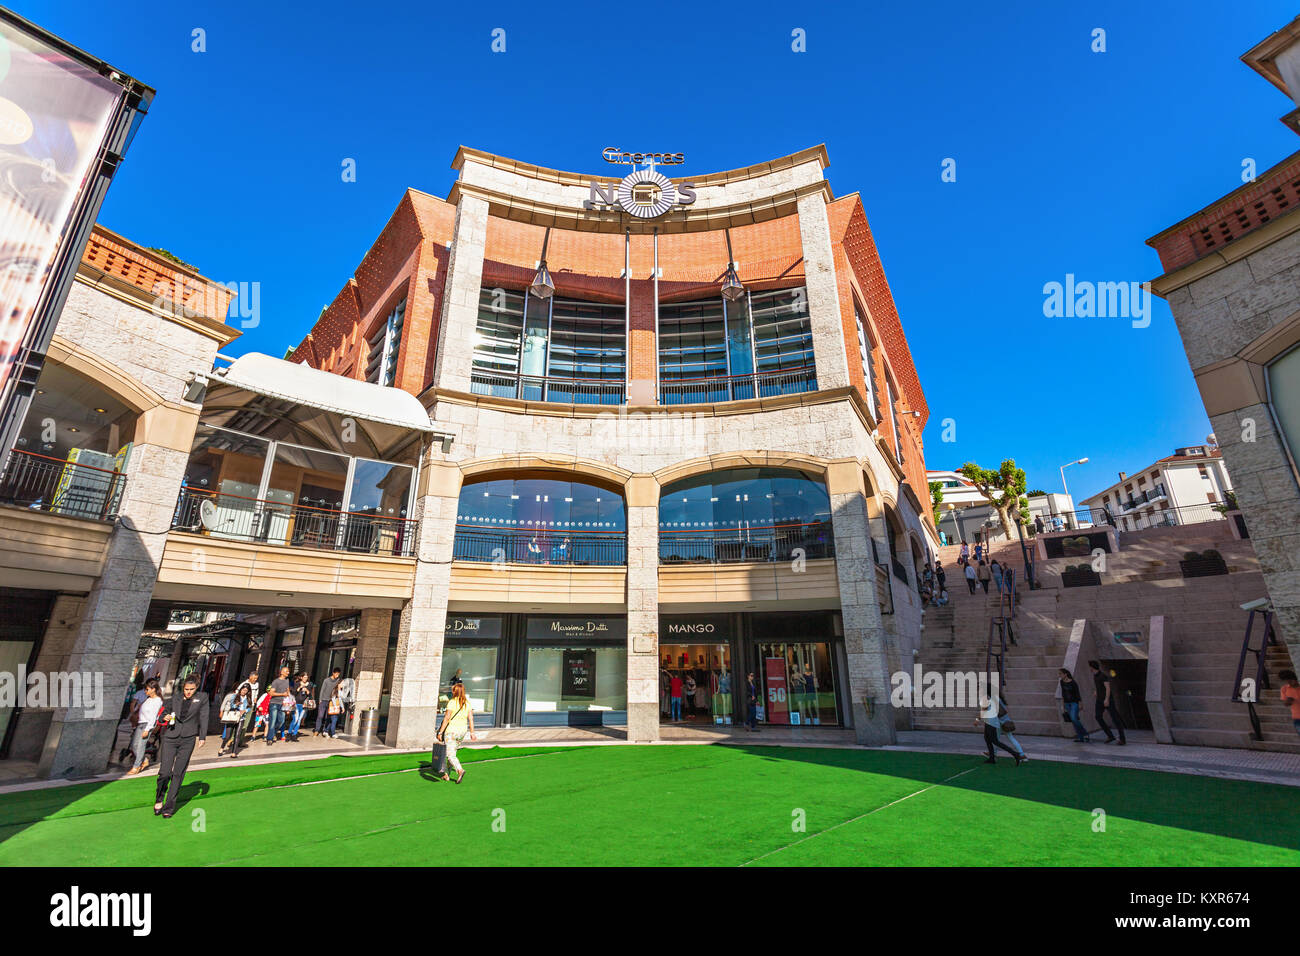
(952, 510)
(1077, 461)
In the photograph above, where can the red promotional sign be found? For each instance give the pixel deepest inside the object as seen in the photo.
(778, 710)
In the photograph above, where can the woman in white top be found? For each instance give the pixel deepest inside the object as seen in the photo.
(146, 716)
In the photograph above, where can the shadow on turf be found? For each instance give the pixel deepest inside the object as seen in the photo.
(1238, 809)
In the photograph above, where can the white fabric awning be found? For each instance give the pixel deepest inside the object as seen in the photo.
(313, 402)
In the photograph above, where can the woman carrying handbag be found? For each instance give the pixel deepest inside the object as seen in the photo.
(457, 724)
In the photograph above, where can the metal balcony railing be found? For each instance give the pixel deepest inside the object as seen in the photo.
(535, 388)
(60, 487)
(770, 543)
(524, 546)
(735, 388)
(296, 525)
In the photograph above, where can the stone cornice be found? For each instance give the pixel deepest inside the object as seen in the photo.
(520, 209)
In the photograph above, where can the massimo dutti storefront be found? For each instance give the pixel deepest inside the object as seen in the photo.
(797, 660)
(545, 670)
(538, 670)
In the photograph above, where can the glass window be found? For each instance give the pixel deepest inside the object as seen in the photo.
(225, 468)
(699, 676)
(1284, 399)
(497, 340)
(540, 521)
(782, 329)
(694, 347)
(380, 488)
(381, 366)
(565, 679)
(743, 514)
(798, 681)
(869, 368)
(476, 666)
(304, 497)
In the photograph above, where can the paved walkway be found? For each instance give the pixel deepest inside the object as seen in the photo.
(1140, 753)
(1259, 766)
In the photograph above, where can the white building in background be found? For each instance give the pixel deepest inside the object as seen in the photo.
(1187, 487)
(966, 515)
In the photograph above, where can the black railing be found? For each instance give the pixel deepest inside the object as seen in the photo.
(1261, 669)
(539, 388)
(772, 543)
(61, 487)
(298, 526)
(736, 388)
(513, 546)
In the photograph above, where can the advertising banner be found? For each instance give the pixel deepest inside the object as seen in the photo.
(54, 116)
(578, 675)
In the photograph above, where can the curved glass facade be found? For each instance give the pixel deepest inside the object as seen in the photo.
(744, 514)
(540, 521)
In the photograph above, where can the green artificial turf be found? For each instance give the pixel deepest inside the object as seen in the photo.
(669, 806)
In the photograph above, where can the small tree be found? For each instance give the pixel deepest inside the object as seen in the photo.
(936, 499)
(1004, 488)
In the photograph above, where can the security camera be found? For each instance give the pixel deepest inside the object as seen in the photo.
(1259, 604)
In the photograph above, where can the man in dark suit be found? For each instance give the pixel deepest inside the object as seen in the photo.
(184, 722)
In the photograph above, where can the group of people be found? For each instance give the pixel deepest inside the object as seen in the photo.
(279, 711)
(1103, 705)
(934, 584)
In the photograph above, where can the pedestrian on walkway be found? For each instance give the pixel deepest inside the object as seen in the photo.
(281, 700)
(979, 550)
(996, 570)
(234, 714)
(262, 711)
(984, 576)
(457, 724)
(333, 709)
(301, 698)
(185, 726)
(675, 697)
(328, 687)
(991, 712)
(146, 716)
(1105, 703)
(970, 577)
(1291, 695)
(965, 552)
(751, 690)
(1070, 699)
(1038, 523)
(940, 575)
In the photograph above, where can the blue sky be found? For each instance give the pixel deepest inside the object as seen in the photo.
(1067, 160)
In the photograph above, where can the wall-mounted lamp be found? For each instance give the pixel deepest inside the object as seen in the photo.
(543, 287)
(731, 287)
(196, 387)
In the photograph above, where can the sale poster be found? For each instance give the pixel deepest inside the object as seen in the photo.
(778, 708)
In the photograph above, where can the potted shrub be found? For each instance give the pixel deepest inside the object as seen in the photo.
(1202, 564)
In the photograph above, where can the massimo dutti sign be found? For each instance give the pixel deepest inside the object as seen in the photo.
(643, 193)
(581, 628)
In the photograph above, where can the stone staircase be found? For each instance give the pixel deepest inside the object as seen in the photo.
(1203, 622)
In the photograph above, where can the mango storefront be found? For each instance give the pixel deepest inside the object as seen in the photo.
(538, 670)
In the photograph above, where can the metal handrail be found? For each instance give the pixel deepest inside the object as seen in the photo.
(736, 388)
(548, 388)
(1261, 668)
(767, 543)
(545, 546)
(59, 486)
(261, 521)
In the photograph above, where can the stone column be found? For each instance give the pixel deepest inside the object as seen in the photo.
(372, 654)
(113, 617)
(866, 643)
(460, 297)
(417, 667)
(823, 292)
(642, 498)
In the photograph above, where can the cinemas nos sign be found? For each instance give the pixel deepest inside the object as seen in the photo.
(643, 193)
